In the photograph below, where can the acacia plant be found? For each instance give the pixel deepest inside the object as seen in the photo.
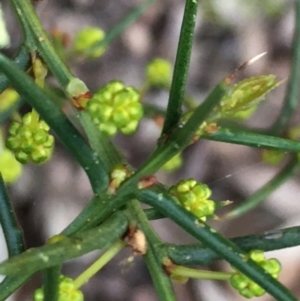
(114, 218)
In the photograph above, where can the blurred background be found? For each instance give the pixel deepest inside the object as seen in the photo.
(47, 197)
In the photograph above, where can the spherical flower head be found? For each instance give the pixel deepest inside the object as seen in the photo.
(67, 291)
(115, 107)
(173, 164)
(159, 72)
(30, 141)
(8, 98)
(248, 288)
(10, 168)
(194, 197)
(88, 37)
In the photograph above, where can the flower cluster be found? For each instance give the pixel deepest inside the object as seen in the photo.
(245, 286)
(30, 140)
(116, 107)
(67, 291)
(194, 197)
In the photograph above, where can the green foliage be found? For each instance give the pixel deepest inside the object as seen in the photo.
(30, 140)
(114, 218)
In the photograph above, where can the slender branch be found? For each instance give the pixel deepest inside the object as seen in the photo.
(12, 232)
(181, 68)
(158, 199)
(254, 140)
(51, 283)
(54, 254)
(11, 283)
(99, 263)
(182, 136)
(27, 14)
(22, 60)
(198, 254)
(161, 281)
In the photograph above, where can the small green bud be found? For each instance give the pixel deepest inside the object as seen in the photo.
(173, 164)
(118, 175)
(244, 96)
(257, 255)
(159, 72)
(8, 98)
(10, 168)
(272, 156)
(88, 37)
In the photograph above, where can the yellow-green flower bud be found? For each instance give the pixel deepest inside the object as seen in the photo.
(10, 168)
(272, 156)
(243, 96)
(159, 72)
(173, 164)
(8, 98)
(88, 37)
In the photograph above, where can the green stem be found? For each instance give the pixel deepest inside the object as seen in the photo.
(27, 14)
(12, 232)
(100, 208)
(177, 92)
(182, 136)
(254, 140)
(265, 191)
(198, 254)
(22, 60)
(155, 253)
(158, 199)
(292, 90)
(51, 283)
(153, 214)
(99, 263)
(11, 283)
(200, 274)
(79, 244)
(61, 126)
(161, 281)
